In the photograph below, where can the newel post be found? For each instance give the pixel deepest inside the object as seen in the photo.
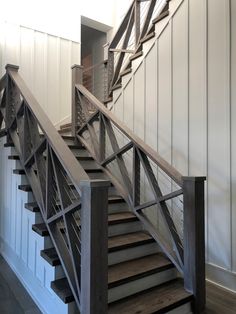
(94, 244)
(77, 78)
(194, 240)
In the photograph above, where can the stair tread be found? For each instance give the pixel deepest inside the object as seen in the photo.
(19, 171)
(41, 229)
(116, 218)
(14, 157)
(9, 144)
(121, 217)
(50, 255)
(32, 206)
(160, 17)
(117, 274)
(159, 299)
(62, 289)
(68, 137)
(25, 187)
(132, 270)
(128, 240)
(65, 125)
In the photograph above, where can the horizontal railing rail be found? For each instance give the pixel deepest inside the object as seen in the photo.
(151, 186)
(70, 203)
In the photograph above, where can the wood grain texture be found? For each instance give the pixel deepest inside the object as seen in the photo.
(157, 300)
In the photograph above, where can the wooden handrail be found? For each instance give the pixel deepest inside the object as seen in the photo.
(156, 158)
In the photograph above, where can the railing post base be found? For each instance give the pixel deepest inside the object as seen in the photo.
(94, 246)
(194, 240)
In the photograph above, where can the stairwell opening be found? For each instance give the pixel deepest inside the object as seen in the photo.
(93, 39)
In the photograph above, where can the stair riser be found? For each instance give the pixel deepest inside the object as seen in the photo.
(89, 164)
(132, 253)
(117, 207)
(124, 228)
(139, 285)
(98, 175)
(70, 142)
(80, 152)
(183, 309)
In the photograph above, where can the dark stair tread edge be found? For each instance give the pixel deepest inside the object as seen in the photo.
(66, 125)
(50, 255)
(147, 37)
(160, 299)
(138, 268)
(136, 55)
(19, 171)
(125, 241)
(32, 206)
(41, 229)
(160, 17)
(62, 289)
(126, 71)
(117, 86)
(9, 144)
(25, 187)
(14, 157)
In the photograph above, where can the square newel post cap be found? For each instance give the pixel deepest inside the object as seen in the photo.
(76, 66)
(12, 67)
(95, 183)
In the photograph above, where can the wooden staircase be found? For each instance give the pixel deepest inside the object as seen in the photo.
(141, 279)
(105, 252)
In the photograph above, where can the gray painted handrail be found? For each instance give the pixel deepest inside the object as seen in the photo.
(156, 158)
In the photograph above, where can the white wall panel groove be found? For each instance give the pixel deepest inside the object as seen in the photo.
(45, 64)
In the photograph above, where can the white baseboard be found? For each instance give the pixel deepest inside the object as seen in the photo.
(63, 121)
(221, 277)
(46, 302)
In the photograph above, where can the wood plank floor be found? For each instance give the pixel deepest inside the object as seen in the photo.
(220, 301)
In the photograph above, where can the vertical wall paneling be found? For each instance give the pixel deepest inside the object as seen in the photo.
(180, 89)
(65, 78)
(53, 78)
(45, 64)
(128, 104)
(27, 57)
(233, 129)
(164, 104)
(198, 92)
(196, 114)
(40, 66)
(151, 92)
(139, 101)
(218, 137)
(150, 123)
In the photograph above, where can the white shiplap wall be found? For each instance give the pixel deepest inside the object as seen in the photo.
(45, 64)
(182, 101)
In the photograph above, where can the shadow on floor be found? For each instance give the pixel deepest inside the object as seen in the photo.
(14, 299)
